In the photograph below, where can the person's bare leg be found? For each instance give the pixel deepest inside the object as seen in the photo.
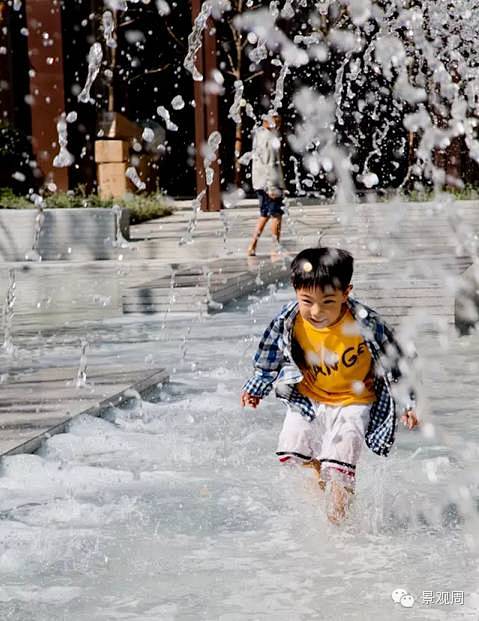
(276, 228)
(339, 502)
(340, 497)
(260, 224)
(316, 465)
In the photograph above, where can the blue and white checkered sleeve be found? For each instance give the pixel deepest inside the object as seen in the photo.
(268, 361)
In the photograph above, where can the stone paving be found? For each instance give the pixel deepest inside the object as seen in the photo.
(408, 260)
(44, 401)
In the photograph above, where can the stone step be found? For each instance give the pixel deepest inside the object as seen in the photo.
(37, 405)
(193, 291)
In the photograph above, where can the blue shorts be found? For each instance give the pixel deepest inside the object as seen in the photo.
(270, 207)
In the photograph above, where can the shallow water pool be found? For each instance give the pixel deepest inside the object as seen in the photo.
(176, 508)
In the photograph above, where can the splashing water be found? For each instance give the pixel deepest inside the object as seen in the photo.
(184, 345)
(119, 241)
(165, 115)
(263, 24)
(258, 53)
(163, 7)
(170, 503)
(250, 112)
(134, 177)
(279, 91)
(297, 176)
(195, 40)
(209, 153)
(235, 109)
(177, 103)
(95, 56)
(109, 29)
(171, 300)
(151, 487)
(117, 5)
(401, 44)
(209, 8)
(226, 228)
(148, 134)
(317, 128)
(211, 303)
(81, 379)
(9, 313)
(64, 158)
(195, 210)
(34, 253)
(233, 197)
(288, 12)
(258, 280)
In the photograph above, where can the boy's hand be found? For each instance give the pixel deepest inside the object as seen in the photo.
(409, 419)
(248, 400)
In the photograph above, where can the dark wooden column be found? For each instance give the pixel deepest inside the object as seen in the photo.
(206, 114)
(45, 51)
(6, 70)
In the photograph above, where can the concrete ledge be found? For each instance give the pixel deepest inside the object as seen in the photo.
(195, 292)
(65, 234)
(39, 405)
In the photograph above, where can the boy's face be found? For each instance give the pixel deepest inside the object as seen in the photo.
(322, 307)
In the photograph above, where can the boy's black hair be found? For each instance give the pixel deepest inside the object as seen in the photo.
(319, 267)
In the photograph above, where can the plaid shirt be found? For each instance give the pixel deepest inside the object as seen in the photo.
(274, 363)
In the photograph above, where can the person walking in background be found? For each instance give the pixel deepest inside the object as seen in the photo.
(268, 180)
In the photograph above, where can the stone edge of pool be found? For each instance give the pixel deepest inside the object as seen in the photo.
(143, 386)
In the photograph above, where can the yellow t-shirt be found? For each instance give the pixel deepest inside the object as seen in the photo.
(337, 364)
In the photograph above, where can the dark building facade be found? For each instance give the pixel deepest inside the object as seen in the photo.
(45, 46)
(44, 50)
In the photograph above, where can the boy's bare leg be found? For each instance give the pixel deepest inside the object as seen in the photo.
(260, 224)
(316, 465)
(340, 500)
(340, 496)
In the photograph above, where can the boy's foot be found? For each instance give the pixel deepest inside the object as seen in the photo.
(251, 251)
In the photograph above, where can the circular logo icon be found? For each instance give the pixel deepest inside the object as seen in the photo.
(401, 596)
(397, 594)
(407, 601)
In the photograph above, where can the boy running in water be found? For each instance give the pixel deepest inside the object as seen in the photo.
(334, 361)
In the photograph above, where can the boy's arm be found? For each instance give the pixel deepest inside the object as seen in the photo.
(268, 361)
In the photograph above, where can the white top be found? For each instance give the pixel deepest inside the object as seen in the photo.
(266, 169)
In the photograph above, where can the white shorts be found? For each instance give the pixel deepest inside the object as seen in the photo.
(335, 438)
